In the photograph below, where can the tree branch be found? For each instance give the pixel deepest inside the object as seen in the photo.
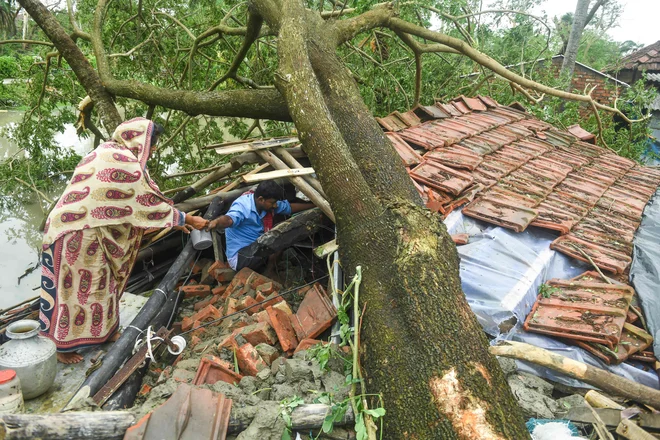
(346, 29)
(397, 24)
(42, 43)
(77, 32)
(82, 69)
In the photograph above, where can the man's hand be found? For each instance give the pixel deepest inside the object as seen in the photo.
(224, 221)
(212, 224)
(185, 228)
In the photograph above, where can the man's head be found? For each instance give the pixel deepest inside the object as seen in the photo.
(155, 136)
(267, 194)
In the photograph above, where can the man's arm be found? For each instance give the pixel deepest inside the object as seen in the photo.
(297, 207)
(224, 221)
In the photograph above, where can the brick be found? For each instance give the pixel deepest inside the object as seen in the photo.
(240, 279)
(267, 352)
(186, 323)
(283, 306)
(249, 361)
(218, 265)
(200, 291)
(212, 369)
(274, 299)
(246, 303)
(257, 280)
(238, 321)
(224, 275)
(231, 306)
(306, 344)
(146, 389)
(218, 290)
(261, 316)
(208, 313)
(210, 301)
(229, 342)
(259, 333)
(282, 324)
(265, 289)
(198, 330)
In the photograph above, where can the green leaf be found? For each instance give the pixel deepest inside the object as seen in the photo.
(377, 412)
(286, 435)
(328, 424)
(360, 428)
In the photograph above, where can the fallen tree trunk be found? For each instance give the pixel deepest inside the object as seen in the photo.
(593, 376)
(286, 234)
(110, 425)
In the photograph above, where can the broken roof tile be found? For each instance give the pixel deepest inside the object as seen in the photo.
(391, 123)
(461, 106)
(408, 154)
(490, 102)
(581, 133)
(501, 213)
(554, 220)
(429, 112)
(440, 177)
(474, 104)
(448, 108)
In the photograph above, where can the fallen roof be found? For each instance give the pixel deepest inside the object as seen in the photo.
(647, 58)
(513, 170)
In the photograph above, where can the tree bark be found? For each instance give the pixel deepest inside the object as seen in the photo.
(412, 292)
(570, 55)
(83, 70)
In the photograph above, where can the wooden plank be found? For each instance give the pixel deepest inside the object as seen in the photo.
(628, 429)
(270, 175)
(255, 145)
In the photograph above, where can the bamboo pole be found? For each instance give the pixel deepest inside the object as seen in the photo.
(299, 182)
(293, 163)
(586, 373)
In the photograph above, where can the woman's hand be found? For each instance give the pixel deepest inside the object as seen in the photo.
(185, 229)
(196, 222)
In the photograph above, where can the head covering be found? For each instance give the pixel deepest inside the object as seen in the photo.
(111, 185)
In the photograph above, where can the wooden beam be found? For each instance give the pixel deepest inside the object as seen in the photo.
(239, 180)
(597, 377)
(109, 425)
(611, 417)
(271, 175)
(246, 147)
(628, 429)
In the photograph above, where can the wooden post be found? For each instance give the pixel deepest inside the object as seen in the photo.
(299, 182)
(597, 400)
(593, 376)
(628, 429)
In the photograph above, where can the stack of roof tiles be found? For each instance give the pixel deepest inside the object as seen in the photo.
(514, 171)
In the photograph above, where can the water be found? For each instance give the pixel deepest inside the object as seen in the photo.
(20, 238)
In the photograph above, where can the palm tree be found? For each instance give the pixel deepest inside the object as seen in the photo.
(7, 26)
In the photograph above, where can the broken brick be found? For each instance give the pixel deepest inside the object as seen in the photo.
(186, 323)
(218, 290)
(306, 344)
(231, 306)
(261, 316)
(146, 389)
(249, 361)
(265, 289)
(267, 352)
(213, 369)
(200, 290)
(246, 304)
(198, 329)
(201, 304)
(208, 313)
(460, 239)
(282, 324)
(224, 275)
(283, 306)
(239, 321)
(240, 279)
(259, 333)
(228, 342)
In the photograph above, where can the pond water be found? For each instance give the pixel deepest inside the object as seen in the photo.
(19, 228)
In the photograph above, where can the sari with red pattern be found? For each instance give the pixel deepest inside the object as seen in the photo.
(93, 235)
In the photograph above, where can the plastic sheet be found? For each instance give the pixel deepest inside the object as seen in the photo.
(501, 272)
(645, 269)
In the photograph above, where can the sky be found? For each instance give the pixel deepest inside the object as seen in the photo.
(640, 21)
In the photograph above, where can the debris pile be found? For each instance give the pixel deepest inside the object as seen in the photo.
(250, 341)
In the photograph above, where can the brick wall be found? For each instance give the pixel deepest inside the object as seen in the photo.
(605, 92)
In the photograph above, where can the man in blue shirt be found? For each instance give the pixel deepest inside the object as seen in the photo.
(248, 218)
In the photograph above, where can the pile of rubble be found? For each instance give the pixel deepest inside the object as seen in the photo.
(249, 344)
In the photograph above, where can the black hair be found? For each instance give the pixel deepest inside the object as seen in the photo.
(158, 130)
(270, 189)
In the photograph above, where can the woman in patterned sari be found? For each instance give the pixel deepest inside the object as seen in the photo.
(93, 235)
